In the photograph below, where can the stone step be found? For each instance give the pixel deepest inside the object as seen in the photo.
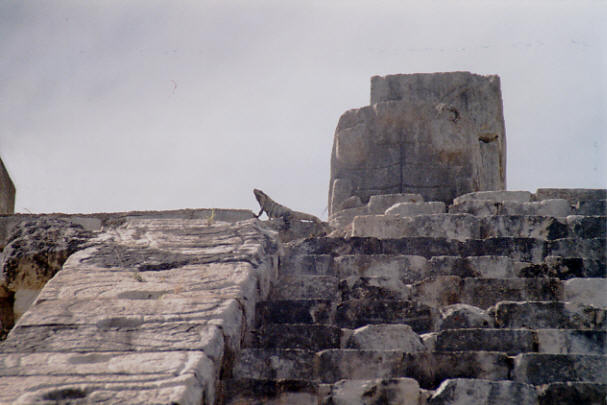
(590, 207)
(447, 290)
(409, 268)
(274, 363)
(293, 262)
(294, 336)
(548, 315)
(558, 208)
(428, 368)
(269, 392)
(517, 249)
(515, 341)
(295, 287)
(355, 313)
(541, 368)
(477, 391)
(572, 393)
(402, 391)
(296, 311)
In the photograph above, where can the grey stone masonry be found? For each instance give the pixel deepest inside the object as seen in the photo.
(439, 135)
(7, 191)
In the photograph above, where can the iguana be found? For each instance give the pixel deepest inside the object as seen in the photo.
(275, 210)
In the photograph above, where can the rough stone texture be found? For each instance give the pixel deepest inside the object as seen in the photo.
(421, 208)
(464, 316)
(463, 391)
(495, 196)
(459, 227)
(7, 191)
(385, 337)
(540, 368)
(587, 291)
(404, 391)
(551, 208)
(440, 135)
(149, 312)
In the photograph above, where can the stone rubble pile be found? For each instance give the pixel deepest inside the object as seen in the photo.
(466, 306)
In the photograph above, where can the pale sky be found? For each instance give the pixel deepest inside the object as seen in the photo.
(150, 105)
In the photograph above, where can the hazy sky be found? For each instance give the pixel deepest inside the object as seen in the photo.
(123, 105)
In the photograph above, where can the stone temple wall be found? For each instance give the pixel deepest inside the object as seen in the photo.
(438, 135)
(7, 191)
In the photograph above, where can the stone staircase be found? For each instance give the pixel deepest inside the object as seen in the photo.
(510, 307)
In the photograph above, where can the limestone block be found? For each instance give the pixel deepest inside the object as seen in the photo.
(462, 391)
(545, 315)
(540, 368)
(382, 288)
(295, 336)
(460, 316)
(385, 337)
(494, 196)
(305, 287)
(549, 208)
(573, 393)
(568, 341)
(440, 135)
(438, 291)
(296, 311)
(355, 313)
(405, 268)
(511, 341)
(7, 191)
(587, 291)
(274, 363)
(522, 226)
(587, 226)
(479, 208)
(573, 195)
(378, 204)
(412, 209)
(403, 391)
(453, 226)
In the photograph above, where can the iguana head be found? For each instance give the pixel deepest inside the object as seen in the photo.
(260, 196)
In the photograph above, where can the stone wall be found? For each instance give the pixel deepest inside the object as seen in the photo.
(438, 135)
(7, 191)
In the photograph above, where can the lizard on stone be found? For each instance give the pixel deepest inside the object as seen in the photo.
(275, 210)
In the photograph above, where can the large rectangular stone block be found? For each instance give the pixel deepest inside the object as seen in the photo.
(7, 191)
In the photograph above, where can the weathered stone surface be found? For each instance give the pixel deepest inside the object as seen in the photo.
(306, 264)
(270, 392)
(588, 291)
(472, 266)
(296, 311)
(337, 364)
(378, 204)
(554, 266)
(494, 196)
(452, 226)
(590, 207)
(378, 288)
(538, 227)
(404, 268)
(550, 208)
(421, 208)
(484, 293)
(543, 315)
(385, 337)
(305, 287)
(570, 341)
(463, 391)
(445, 144)
(7, 191)
(295, 336)
(539, 368)
(587, 226)
(511, 341)
(460, 316)
(359, 312)
(144, 287)
(290, 364)
(404, 391)
(563, 393)
(573, 195)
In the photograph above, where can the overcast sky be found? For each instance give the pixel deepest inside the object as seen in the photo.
(140, 105)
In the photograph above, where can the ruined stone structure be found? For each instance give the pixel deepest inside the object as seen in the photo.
(7, 191)
(438, 135)
(488, 297)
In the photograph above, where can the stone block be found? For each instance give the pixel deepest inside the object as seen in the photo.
(511, 341)
(587, 227)
(271, 363)
(555, 267)
(420, 208)
(572, 393)
(272, 392)
(385, 337)
(304, 287)
(591, 207)
(296, 311)
(333, 365)
(7, 191)
(459, 316)
(547, 315)
(377, 288)
(537, 227)
(378, 204)
(404, 391)
(573, 195)
(484, 293)
(587, 291)
(295, 336)
(540, 368)
(305, 264)
(453, 226)
(353, 314)
(494, 196)
(570, 341)
(462, 391)
(403, 268)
